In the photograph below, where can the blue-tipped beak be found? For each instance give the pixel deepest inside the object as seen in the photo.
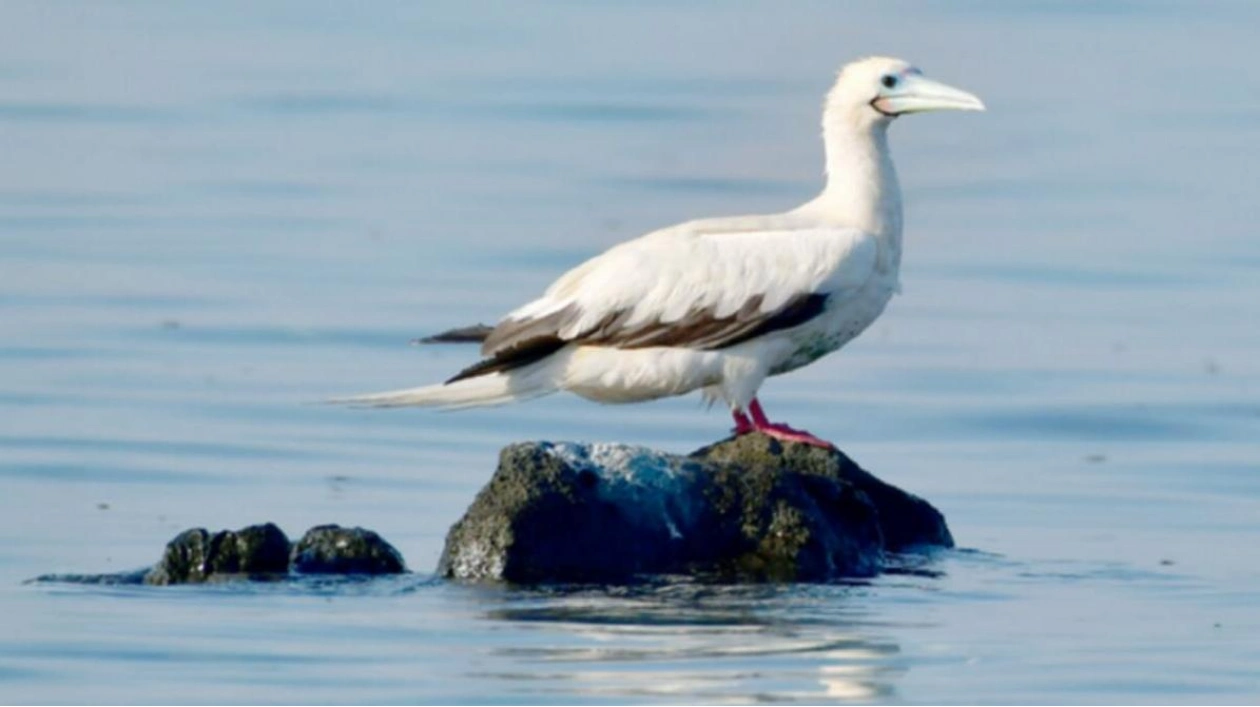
(915, 94)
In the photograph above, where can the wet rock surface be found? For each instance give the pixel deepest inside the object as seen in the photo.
(254, 552)
(745, 509)
(258, 553)
(331, 549)
(905, 520)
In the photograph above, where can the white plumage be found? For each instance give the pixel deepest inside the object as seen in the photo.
(719, 304)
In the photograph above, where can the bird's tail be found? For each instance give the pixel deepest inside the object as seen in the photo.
(480, 391)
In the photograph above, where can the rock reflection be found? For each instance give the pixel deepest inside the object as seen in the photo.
(694, 643)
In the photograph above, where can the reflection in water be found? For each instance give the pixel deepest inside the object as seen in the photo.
(719, 644)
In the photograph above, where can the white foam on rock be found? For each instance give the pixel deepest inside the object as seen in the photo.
(620, 462)
(478, 559)
(652, 482)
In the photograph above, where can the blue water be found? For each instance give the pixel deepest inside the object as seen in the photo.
(212, 215)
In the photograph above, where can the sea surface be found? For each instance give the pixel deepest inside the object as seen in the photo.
(213, 215)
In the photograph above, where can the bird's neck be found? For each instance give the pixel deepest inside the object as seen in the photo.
(862, 190)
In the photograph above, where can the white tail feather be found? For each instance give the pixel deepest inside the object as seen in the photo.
(482, 391)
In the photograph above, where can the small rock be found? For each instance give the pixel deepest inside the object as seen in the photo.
(194, 556)
(331, 549)
(746, 509)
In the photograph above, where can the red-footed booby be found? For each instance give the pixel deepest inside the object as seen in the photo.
(720, 304)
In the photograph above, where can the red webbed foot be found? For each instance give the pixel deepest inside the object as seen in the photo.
(777, 430)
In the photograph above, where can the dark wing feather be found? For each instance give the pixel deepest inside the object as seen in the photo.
(515, 343)
(523, 355)
(474, 334)
(700, 329)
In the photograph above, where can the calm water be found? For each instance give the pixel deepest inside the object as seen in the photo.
(211, 216)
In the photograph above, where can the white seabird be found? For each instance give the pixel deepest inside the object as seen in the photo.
(719, 304)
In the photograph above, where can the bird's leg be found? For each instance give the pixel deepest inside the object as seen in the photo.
(742, 424)
(781, 431)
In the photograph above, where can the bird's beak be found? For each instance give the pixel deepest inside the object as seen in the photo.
(915, 94)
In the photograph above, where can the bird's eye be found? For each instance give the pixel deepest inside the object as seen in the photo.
(889, 81)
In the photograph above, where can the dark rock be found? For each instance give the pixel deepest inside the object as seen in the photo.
(905, 520)
(332, 549)
(255, 552)
(747, 509)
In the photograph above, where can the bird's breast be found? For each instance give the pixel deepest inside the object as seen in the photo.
(842, 321)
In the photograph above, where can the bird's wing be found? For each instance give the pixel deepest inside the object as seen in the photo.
(473, 334)
(691, 287)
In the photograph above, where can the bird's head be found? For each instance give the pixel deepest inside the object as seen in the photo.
(875, 90)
